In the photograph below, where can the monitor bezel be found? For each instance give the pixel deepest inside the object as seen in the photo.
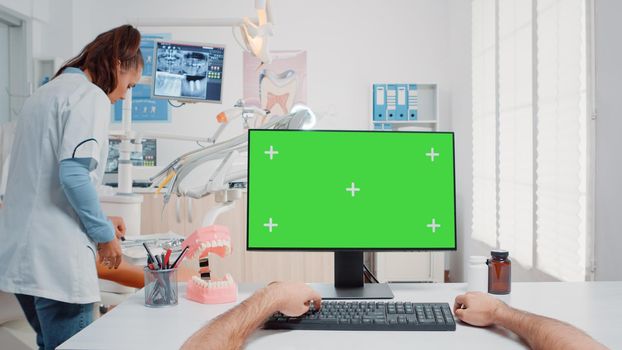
(400, 249)
(185, 99)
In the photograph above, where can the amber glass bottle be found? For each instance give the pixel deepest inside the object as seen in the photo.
(499, 272)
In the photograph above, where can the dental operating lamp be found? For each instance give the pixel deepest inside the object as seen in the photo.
(255, 32)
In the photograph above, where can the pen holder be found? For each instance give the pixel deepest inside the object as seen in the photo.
(160, 287)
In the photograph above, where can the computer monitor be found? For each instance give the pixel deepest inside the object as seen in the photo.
(188, 72)
(349, 192)
(146, 159)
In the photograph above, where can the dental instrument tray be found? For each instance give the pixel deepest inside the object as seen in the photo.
(134, 251)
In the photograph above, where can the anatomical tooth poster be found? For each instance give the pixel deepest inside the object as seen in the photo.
(277, 86)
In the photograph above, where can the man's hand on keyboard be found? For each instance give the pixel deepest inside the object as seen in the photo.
(292, 298)
(230, 330)
(477, 308)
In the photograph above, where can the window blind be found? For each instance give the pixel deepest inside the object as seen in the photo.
(483, 48)
(562, 139)
(515, 143)
(529, 127)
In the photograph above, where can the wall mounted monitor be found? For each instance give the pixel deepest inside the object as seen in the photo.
(188, 72)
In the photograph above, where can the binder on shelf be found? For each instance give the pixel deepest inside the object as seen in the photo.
(399, 106)
(401, 112)
(391, 101)
(380, 106)
(413, 102)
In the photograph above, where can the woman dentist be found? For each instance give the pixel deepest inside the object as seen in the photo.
(52, 226)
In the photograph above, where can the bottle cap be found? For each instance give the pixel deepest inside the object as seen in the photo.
(498, 253)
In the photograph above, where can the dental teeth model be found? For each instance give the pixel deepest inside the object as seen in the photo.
(212, 291)
(213, 239)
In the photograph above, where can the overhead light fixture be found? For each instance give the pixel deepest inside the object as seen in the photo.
(256, 36)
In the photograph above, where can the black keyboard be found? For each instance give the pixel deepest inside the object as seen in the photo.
(370, 315)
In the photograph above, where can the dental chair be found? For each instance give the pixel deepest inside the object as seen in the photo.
(15, 332)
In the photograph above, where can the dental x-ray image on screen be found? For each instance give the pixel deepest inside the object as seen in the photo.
(188, 72)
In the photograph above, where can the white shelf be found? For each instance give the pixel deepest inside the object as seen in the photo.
(405, 121)
(413, 266)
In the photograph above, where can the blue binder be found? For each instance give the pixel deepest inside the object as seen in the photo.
(401, 112)
(380, 105)
(391, 102)
(413, 102)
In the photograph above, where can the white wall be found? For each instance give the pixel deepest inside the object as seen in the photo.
(34, 9)
(350, 45)
(46, 27)
(608, 141)
(51, 36)
(460, 76)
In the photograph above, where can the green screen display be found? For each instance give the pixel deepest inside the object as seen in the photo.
(351, 190)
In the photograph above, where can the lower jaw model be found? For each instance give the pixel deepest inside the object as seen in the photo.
(206, 289)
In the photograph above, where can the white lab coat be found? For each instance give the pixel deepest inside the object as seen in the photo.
(44, 250)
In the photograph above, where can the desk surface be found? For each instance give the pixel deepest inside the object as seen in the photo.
(595, 307)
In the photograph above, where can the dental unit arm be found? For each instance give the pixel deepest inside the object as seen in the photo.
(176, 171)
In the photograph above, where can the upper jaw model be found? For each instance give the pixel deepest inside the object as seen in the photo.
(214, 239)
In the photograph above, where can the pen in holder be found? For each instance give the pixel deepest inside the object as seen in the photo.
(160, 287)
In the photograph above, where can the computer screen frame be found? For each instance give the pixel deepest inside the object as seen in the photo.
(185, 99)
(306, 249)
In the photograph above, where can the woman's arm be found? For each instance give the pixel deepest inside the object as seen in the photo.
(127, 274)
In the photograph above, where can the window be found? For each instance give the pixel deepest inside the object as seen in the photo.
(14, 66)
(529, 74)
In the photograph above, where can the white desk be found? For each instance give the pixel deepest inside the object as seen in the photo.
(595, 307)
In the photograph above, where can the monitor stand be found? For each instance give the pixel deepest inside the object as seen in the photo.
(349, 280)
